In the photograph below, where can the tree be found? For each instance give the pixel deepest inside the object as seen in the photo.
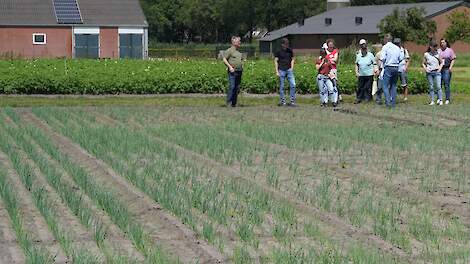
(459, 28)
(409, 25)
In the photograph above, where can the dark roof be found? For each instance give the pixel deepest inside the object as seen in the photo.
(94, 13)
(343, 19)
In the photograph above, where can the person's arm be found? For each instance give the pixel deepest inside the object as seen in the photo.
(224, 59)
(452, 61)
(334, 60)
(424, 64)
(292, 63)
(356, 65)
(276, 66)
(319, 63)
(451, 64)
(408, 59)
(441, 63)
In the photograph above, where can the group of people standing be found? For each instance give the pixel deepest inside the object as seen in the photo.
(376, 75)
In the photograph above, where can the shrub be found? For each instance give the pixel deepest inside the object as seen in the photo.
(160, 76)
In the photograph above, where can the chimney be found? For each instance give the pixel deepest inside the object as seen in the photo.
(333, 4)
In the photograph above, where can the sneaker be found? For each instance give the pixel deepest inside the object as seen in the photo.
(439, 102)
(281, 104)
(335, 105)
(447, 102)
(292, 105)
(357, 102)
(323, 105)
(405, 99)
(431, 103)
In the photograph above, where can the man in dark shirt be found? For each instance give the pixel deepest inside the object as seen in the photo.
(284, 68)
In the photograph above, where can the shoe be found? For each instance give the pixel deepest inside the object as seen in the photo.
(439, 102)
(405, 99)
(292, 105)
(323, 105)
(431, 103)
(335, 105)
(447, 102)
(357, 102)
(281, 104)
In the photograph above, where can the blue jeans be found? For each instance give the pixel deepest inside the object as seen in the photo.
(234, 80)
(378, 94)
(325, 87)
(289, 74)
(389, 85)
(434, 80)
(446, 76)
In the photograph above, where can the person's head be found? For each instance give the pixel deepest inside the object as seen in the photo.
(331, 44)
(363, 45)
(236, 41)
(387, 38)
(444, 44)
(284, 43)
(397, 41)
(432, 47)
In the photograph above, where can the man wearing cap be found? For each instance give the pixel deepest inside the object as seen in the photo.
(390, 58)
(365, 62)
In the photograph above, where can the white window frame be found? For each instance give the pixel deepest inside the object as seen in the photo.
(39, 34)
(86, 30)
(124, 30)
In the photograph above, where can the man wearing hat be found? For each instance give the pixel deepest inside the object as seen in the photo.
(365, 63)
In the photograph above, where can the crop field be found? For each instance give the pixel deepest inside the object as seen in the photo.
(255, 184)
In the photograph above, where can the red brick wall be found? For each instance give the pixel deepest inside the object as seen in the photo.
(442, 23)
(18, 42)
(109, 43)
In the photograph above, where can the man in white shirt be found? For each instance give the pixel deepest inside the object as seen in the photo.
(391, 57)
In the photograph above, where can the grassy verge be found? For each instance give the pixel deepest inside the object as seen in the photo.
(182, 100)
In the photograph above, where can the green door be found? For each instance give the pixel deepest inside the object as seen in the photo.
(87, 46)
(130, 46)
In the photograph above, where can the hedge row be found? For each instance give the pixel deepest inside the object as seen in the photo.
(159, 76)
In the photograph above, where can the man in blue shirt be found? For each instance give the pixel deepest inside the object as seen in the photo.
(391, 57)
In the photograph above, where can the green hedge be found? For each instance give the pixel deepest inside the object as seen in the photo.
(159, 76)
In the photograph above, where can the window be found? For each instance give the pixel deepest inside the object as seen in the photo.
(328, 21)
(39, 39)
(358, 20)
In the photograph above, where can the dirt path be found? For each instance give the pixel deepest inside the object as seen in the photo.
(10, 251)
(342, 228)
(167, 231)
(421, 121)
(34, 223)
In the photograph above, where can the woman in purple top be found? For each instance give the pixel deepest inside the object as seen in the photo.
(448, 57)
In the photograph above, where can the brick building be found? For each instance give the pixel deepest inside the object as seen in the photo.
(73, 29)
(347, 24)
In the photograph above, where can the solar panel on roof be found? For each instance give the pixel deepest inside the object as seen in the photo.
(67, 12)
